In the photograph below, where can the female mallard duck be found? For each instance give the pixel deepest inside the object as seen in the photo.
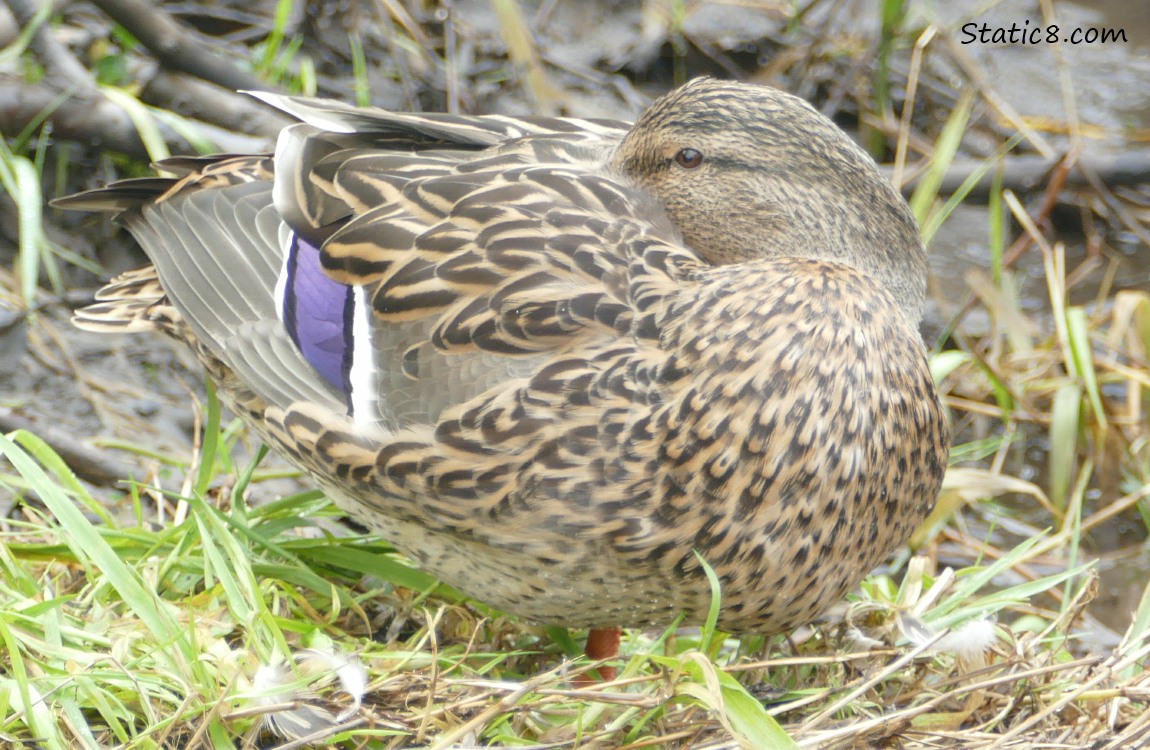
(551, 359)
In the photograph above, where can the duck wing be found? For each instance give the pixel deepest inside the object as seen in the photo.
(404, 283)
(473, 240)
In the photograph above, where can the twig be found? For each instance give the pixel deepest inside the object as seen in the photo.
(71, 102)
(1026, 173)
(872, 680)
(176, 45)
(58, 61)
(480, 720)
(97, 121)
(202, 100)
(10, 27)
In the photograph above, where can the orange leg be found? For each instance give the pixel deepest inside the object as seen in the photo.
(602, 643)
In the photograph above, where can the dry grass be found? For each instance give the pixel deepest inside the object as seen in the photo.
(155, 623)
(152, 632)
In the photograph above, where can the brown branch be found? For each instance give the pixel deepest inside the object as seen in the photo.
(10, 27)
(178, 46)
(70, 101)
(58, 61)
(201, 100)
(1024, 174)
(97, 121)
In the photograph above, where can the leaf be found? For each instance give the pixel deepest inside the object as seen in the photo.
(738, 711)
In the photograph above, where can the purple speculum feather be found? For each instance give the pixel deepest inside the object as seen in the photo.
(317, 313)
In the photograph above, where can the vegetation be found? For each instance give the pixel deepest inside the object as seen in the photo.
(136, 616)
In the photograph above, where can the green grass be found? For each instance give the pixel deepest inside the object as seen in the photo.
(150, 618)
(122, 631)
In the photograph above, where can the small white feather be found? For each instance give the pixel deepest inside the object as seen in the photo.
(364, 376)
(285, 238)
(320, 682)
(971, 640)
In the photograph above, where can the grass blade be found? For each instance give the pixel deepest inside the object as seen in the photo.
(90, 548)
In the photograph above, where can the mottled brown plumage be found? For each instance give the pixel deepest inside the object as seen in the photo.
(595, 354)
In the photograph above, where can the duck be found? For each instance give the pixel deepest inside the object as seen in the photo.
(568, 366)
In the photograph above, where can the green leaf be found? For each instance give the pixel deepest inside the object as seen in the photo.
(945, 149)
(1078, 332)
(708, 631)
(732, 705)
(1064, 427)
(142, 117)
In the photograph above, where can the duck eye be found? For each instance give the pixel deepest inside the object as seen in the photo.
(688, 158)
